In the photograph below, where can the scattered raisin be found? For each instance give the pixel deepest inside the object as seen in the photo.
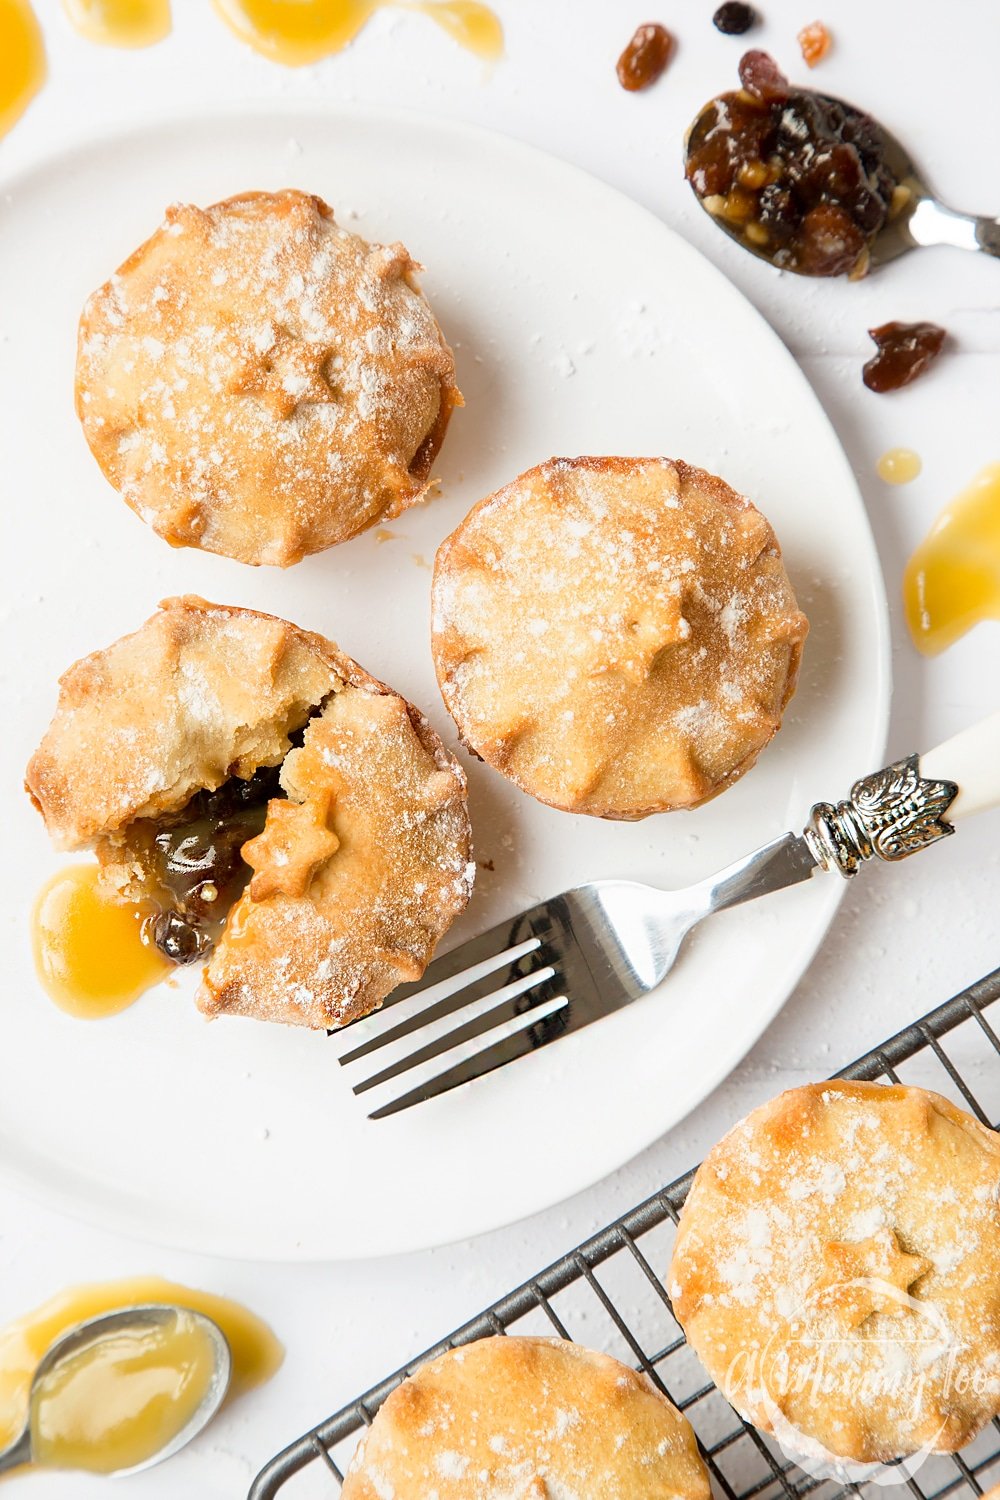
(645, 57)
(734, 18)
(814, 41)
(904, 351)
(763, 79)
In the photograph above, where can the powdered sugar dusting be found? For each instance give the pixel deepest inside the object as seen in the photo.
(527, 1419)
(839, 1261)
(259, 381)
(375, 908)
(616, 635)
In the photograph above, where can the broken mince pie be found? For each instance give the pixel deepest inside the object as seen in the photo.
(283, 814)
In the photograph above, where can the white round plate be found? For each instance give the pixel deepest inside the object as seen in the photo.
(581, 325)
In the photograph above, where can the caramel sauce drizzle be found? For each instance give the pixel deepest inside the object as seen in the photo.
(287, 31)
(89, 947)
(120, 23)
(952, 581)
(22, 60)
(898, 466)
(305, 31)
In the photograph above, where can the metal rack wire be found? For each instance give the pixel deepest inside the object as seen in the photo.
(626, 1311)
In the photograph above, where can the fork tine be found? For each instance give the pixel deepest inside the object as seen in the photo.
(537, 1033)
(511, 1001)
(492, 944)
(521, 966)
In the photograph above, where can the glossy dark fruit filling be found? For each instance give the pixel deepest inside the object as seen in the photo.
(192, 868)
(802, 179)
(192, 861)
(904, 352)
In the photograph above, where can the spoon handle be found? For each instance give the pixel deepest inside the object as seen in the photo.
(931, 223)
(988, 235)
(18, 1453)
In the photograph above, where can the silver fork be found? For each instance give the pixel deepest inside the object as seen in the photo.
(584, 954)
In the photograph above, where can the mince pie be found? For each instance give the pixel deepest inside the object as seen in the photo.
(280, 813)
(527, 1419)
(257, 381)
(837, 1270)
(616, 635)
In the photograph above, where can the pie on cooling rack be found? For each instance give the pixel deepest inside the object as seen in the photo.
(257, 381)
(282, 812)
(527, 1419)
(837, 1269)
(616, 635)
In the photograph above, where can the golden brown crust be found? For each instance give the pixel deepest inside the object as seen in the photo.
(392, 801)
(527, 1419)
(356, 875)
(257, 381)
(198, 693)
(837, 1270)
(616, 635)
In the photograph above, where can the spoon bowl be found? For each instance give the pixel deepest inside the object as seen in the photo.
(149, 1319)
(916, 218)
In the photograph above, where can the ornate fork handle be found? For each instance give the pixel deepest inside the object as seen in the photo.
(890, 814)
(910, 804)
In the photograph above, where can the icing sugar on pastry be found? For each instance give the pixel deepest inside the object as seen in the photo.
(618, 636)
(515, 1418)
(282, 812)
(257, 381)
(837, 1270)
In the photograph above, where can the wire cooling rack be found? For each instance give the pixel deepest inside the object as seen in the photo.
(626, 1312)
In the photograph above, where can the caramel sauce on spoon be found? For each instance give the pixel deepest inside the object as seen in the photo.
(306, 30)
(120, 1401)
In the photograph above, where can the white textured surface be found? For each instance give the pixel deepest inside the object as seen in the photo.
(904, 938)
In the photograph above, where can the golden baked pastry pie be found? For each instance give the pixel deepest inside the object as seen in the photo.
(527, 1419)
(278, 809)
(837, 1269)
(616, 635)
(257, 381)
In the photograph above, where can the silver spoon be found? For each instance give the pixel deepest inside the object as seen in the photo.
(919, 219)
(132, 1319)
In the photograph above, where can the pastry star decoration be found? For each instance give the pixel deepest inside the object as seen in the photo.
(283, 371)
(648, 628)
(295, 843)
(867, 1277)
